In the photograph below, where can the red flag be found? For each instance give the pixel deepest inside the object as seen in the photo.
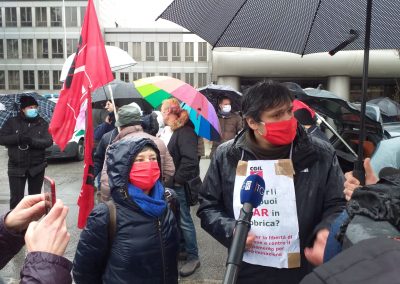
(89, 71)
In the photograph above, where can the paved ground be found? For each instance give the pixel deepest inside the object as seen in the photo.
(67, 175)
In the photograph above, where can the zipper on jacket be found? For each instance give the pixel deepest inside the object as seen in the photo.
(162, 248)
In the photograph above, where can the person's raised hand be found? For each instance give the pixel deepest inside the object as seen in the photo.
(315, 255)
(250, 240)
(352, 183)
(370, 177)
(29, 209)
(49, 234)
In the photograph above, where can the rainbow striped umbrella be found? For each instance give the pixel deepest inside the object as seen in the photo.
(201, 112)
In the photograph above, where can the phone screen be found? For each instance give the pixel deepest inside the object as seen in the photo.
(49, 190)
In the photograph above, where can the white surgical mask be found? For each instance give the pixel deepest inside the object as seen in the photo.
(226, 108)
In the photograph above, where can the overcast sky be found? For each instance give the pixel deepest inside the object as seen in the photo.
(134, 13)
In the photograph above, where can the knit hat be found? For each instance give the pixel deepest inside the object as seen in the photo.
(129, 115)
(26, 101)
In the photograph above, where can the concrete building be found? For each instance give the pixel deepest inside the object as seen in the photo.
(36, 37)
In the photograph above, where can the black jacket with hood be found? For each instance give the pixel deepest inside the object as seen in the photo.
(23, 158)
(318, 184)
(144, 248)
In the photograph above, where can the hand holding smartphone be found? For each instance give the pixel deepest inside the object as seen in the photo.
(49, 191)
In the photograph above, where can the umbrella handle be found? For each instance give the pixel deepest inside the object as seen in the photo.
(359, 171)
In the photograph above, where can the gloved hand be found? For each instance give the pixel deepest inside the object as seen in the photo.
(25, 140)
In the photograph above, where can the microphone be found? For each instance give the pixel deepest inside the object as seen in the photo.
(251, 195)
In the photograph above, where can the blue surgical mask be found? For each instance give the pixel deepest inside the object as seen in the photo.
(31, 113)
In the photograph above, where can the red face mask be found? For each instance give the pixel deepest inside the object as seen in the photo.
(144, 175)
(281, 132)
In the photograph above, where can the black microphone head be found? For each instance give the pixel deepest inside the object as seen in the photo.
(252, 190)
(388, 171)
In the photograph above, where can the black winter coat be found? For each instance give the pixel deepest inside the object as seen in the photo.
(318, 184)
(23, 158)
(144, 249)
(183, 148)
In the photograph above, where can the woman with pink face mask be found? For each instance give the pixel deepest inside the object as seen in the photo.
(145, 246)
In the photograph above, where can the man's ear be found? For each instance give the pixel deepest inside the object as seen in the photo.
(252, 123)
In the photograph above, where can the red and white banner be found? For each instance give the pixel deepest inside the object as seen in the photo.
(89, 71)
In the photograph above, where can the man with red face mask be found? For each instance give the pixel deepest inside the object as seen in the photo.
(271, 133)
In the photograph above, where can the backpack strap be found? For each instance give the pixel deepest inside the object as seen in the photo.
(112, 225)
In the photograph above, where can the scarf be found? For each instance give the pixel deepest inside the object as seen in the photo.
(153, 204)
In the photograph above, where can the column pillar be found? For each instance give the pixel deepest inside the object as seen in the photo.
(340, 86)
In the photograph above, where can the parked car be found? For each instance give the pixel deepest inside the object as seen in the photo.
(344, 117)
(74, 149)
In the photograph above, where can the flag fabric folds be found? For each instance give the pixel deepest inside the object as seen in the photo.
(90, 70)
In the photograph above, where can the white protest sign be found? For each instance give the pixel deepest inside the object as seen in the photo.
(274, 222)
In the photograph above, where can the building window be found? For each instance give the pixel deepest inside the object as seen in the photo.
(189, 78)
(189, 51)
(11, 16)
(163, 74)
(1, 18)
(55, 17)
(202, 79)
(26, 16)
(176, 52)
(43, 80)
(1, 49)
(137, 51)
(124, 76)
(110, 43)
(72, 45)
(12, 48)
(149, 51)
(150, 74)
(123, 46)
(202, 52)
(83, 10)
(57, 48)
(137, 76)
(176, 75)
(163, 51)
(2, 80)
(71, 16)
(29, 79)
(42, 46)
(41, 17)
(56, 80)
(27, 48)
(13, 79)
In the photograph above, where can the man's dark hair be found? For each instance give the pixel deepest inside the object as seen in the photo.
(263, 96)
(220, 99)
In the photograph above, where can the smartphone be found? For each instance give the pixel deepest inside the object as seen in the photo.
(49, 190)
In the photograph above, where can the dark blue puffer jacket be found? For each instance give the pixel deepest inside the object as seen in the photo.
(144, 249)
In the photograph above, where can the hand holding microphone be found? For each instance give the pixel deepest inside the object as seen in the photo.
(251, 195)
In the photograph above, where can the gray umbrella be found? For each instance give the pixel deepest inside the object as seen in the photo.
(388, 106)
(297, 26)
(123, 93)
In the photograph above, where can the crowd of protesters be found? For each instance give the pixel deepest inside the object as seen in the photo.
(142, 225)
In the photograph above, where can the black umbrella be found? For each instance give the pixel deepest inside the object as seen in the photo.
(297, 26)
(387, 106)
(215, 92)
(124, 93)
(12, 106)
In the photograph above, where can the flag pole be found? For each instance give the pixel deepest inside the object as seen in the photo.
(115, 107)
